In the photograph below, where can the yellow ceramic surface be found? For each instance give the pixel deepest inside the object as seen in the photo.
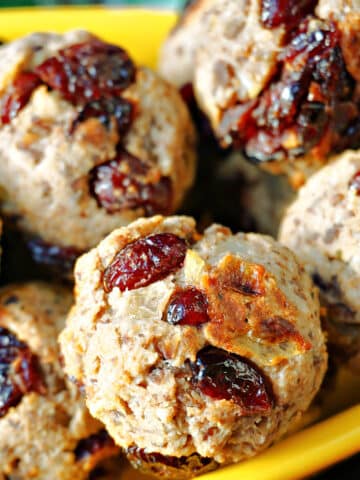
(140, 31)
(303, 453)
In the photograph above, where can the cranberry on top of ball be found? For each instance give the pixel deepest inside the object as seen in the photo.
(186, 331)
(91, 133)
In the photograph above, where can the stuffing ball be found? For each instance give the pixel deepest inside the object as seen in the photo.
(323, 227)
(193, 349)
(88, 141)
(278, 83)
(46, 431)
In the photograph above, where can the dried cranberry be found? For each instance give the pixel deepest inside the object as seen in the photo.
(168, 466)
(104, 109)
(187, 94)
(19, 371)
(18, 95)
(145, 261)
(286, 12)
(223, 375)
(307, 107)
(91, 445)
(59, 259)
(187, 306)
(88, 71)
(355, 183)
(124, 183)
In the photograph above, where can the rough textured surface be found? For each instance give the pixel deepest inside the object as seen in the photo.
(44, 172)
(236, 57)
(239, 78)
(323, 227)
(337, 9)
(177, 54)
(136, 367)
(39, 436)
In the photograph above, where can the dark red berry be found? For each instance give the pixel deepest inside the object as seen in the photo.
(19, 371)
(187, 306)
(355, 183)
(104, 109)
(165, 466)
(59, 259)
(187, 93)
(286, 12)
(94, 444)
(18, 95)
(88, 71)
(127, 183)
(223, 375)
(145, 261)
(307, 107)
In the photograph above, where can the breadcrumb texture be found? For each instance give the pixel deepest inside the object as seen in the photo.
(44, 170)
(135, 366)
(38, 437)
(237, 59)
(177, 54)
(323, 227)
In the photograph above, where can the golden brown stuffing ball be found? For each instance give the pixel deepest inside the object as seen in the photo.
(46, 431)
(193, 349)
(323, 227)
(88, 140)
(278, 80)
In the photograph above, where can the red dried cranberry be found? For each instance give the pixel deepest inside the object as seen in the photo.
(104, 109)
(145, 261)
(307, 106)
(286, 12)
(88, 71)
(59, 259)
(18, 95)
(187, 94)
(19, 371)
(123, 183)
(166, 466)
(187, 306)
(93, 444)
(355, 183)
(223, 375)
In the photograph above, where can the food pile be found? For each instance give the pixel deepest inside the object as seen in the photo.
(192, 338)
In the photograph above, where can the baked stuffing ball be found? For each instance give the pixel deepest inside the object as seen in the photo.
(323, 227)
(46, 431)
(88, 141)
(193, 349)
(281, 83)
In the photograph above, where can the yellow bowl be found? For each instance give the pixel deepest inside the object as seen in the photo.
(141, 32)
